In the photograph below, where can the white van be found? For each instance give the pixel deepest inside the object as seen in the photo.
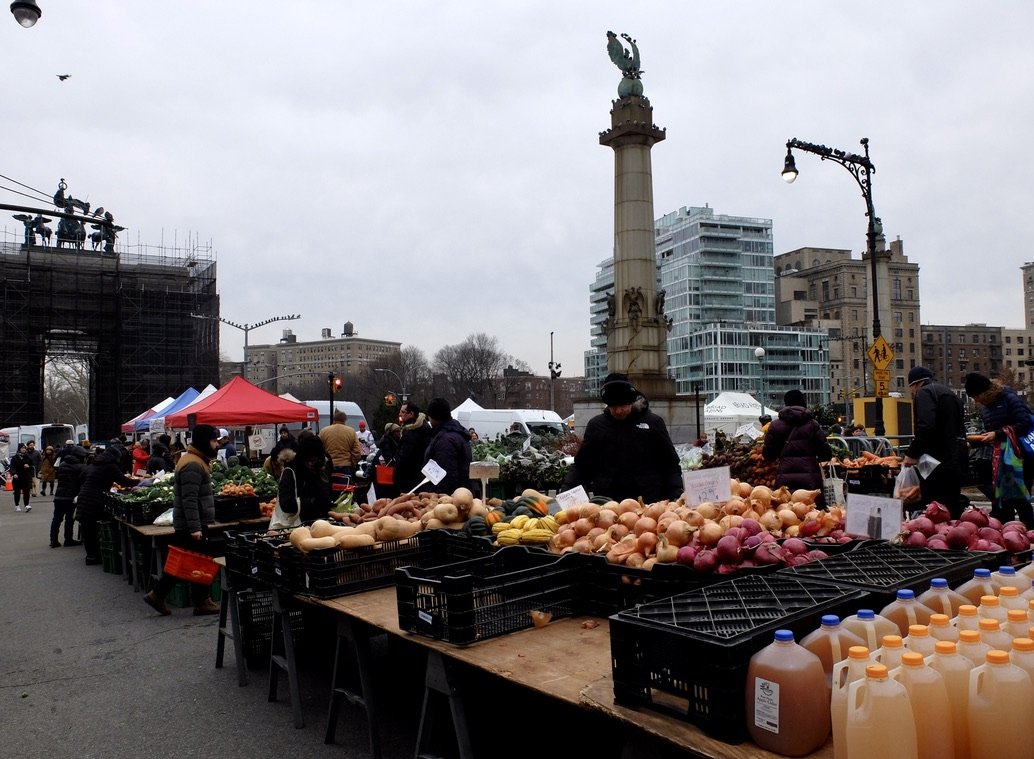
(42, 434)
(492, 423)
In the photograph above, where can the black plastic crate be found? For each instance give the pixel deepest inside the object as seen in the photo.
(255, 609)
(494, 595)
(234, 508)
(687, 656)
(241, 550)
(339, 572)
(142, 513)
(883, 568)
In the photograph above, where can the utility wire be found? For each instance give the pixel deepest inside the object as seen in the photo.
(42, 194)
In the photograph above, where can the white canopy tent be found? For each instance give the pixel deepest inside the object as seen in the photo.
(729, 411)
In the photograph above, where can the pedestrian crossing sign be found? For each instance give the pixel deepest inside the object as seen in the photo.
(880, 353)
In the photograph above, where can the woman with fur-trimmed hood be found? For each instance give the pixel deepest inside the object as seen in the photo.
(1006, 419)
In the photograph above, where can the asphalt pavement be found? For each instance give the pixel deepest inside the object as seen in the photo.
(88, 670)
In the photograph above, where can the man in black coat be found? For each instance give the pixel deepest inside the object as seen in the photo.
(104, 471)
(416, 434)
(626, 451)
(449, 448)
(940, 431)
(70, 473)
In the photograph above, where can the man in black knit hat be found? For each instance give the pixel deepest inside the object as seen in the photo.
(626, 451)
(940, 431)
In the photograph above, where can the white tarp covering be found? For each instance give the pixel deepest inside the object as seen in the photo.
(729, 411)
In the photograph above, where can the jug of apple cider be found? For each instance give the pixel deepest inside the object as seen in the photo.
(968, 618)
(919, 640)
(930, 706)
(991, 608)
(994, 636)
(889, 654)
(905, 610)
(979, 585)
(1004, 575)
(844, 673)
(941, 598)
(955, 669)
(880, 722)
(1022, 655)
(1009, 598)
(1017, 624)
(830, 642)
(1000, 698)
(787, 699)
(941, 628)
(972, 647)
(870, 627)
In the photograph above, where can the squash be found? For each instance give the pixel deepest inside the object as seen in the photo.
(447, 512)
(317, 544)
(298, 534)
(477, 525)
(495, 515)
(354, 540)
(463, 498)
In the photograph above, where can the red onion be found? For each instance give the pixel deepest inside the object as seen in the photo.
(705, 561)
(728, 550)
(1015, 541)
(752, 526)
(686, 555)
(921, 524)
(958, 536)
(936, 544)
(915, 539)
(768, 553)
(795, 546)
(937, 513)
(976, 516)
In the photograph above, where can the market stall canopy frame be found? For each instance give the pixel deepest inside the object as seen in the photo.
(239, 403)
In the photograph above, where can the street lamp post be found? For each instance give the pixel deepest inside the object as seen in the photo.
(246, 328)
(862, 169)
(759, 354)
(402, 385)
(554, 372)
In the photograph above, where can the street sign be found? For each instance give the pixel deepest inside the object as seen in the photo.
(881, 375)
(880, 353)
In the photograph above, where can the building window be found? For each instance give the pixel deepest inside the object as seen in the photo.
(854, 292)
(897, 317)
(897, 289)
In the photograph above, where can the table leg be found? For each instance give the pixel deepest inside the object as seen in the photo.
(355, 635)
(441, 679)
(228, 608)
(282, 657)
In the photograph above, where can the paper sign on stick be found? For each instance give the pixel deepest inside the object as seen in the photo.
(572, 497)
(873, 516)
(433, 472)
(707, 485)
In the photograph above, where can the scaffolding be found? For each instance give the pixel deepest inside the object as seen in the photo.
(128, 314)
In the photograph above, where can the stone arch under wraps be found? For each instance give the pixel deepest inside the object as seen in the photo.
(146, 320)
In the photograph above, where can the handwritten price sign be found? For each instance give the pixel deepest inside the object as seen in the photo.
(707, 485)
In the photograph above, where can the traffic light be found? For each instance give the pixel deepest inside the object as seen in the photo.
(389, 399)
(335, 383)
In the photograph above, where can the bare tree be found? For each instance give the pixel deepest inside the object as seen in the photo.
(66, 390)
(471, 368)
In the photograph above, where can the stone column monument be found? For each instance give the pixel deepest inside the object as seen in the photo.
(636, 325)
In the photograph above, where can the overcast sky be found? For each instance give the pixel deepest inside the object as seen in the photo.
(428, 170)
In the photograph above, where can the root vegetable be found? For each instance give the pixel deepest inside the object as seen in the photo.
(709, 534)
(762, 494)
(728, 551)
(582, 527)
(666, 552)
(635, 560)
(804, 496)
(645, 524)
(788, 517)
(647, 543)
(678, 533)
(705, 561)
(686, 555)
(708, 510)
(628, 519)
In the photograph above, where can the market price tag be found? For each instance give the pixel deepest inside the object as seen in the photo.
(572, 497)
(433, 472)
(873, 516)
(707, 485)
(484, 470)
(749, 429)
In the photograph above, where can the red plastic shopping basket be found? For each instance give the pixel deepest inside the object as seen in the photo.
(190, 566)
(384, 474)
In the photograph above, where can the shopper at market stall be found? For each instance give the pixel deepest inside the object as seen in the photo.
(70, 472)
(626, 451)
(365, 437)
(798, 442)
(939, 430)
(161, 457)
(304, 484)
(342, 445)
(47, 472)
(193, 509)
(22, 475)
(416, 434)
(141, 455)
(1006, 419)
(449, 448)
(101, 473)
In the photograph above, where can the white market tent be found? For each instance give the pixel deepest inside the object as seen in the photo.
(468, 405)
(729, 411)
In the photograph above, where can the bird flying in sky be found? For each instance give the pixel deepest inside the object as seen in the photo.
(63, 77)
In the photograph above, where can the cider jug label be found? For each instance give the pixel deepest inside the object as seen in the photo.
(766, 704)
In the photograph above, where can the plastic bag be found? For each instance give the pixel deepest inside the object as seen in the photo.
(165, 518)
(832, 487)
(906, 485)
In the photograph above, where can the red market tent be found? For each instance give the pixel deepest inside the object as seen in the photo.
(239, 403)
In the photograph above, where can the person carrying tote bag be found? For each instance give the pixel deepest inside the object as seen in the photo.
(1007, 420)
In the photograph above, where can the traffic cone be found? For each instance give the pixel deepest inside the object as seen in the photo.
(8, 485)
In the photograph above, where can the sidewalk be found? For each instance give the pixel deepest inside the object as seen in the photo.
(88, 670)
